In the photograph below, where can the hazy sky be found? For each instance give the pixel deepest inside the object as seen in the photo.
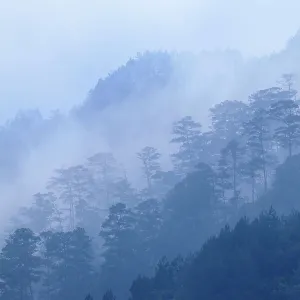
(53, 51)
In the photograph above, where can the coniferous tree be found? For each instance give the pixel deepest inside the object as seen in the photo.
(223, 176)
(149, 157)
(263, 99)
(20, 265)
(164, 182)
(287, 114)
(68, 257)
(88, 217)
(234, 153)
(109, 295)
(123, 192)
(187, 135)
(187, 211)
(227, 120)
(148, 225)
(43, 214)
(250, 172)
(88, 297)
(120, 248)
(257, 132)
(287, 81)
(105, 169)
(286, 192)
(142, 288)
(74, 187)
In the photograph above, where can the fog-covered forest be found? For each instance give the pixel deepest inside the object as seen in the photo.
(68, 244)
(177, 177)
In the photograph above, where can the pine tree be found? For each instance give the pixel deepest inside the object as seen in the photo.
(263, 99)
(120, 248)
(287, 114)
(123, 192)
(149, 157)
(164, 182)
(187, 211)
(105, 169)
(250, 171)
(73, 185)
(88, 297)
(68, 257)
(187, 135)
(223, 175)
(109, 295)
(287, 82)
(234, 153)
(149, 222)
(141, 288)
(227, 120)
(20, 265)
(43, 214)
(88, 217)
(257, 132)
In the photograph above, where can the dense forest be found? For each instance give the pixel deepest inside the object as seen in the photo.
(220, 224)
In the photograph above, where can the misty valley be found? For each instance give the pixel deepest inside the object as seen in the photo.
(126, 198)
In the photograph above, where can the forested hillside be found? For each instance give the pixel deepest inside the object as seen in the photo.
(68, 244)
(255, 260)
(160, 85)
(201, 166)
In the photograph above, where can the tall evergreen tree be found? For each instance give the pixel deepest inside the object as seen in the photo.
(263, 99)
(43, 214)
(187, 136)
(20, 267)
(250, 172)
(234, 153)
(73, 186)
(148, 225)
(187, 212)
(164, 182)
(120, 248)
(287, 114)
(105, 170)
(109, 295)
(149, 157)
(69, 257)
(223, 175)
(257, 132)
(287, 81)
(227, 120)
(123, 192)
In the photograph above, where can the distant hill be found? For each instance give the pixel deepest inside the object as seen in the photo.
(227, 71)
(158, 86)
(150, 73)
(139, 76)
